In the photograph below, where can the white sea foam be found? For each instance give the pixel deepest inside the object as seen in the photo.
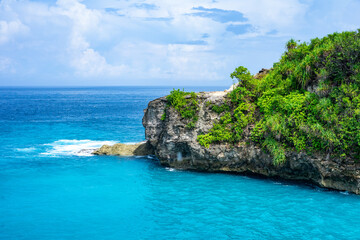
(170, 169)
(74, 147)
(29, 149)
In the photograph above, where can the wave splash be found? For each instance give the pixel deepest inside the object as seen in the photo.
(29, 149)
(83, 148)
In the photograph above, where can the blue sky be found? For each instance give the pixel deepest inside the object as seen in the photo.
(155, 42)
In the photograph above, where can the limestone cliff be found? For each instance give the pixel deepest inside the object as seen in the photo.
(176, 146)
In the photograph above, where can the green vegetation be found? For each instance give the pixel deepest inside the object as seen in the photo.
(186, 104)
(238, 112)
(309, 101)
(220, 109)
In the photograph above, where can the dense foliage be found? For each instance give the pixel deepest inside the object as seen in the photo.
(309, 101)
(237, 112)
(186, 104)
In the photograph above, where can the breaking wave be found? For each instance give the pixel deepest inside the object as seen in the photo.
(66, 147)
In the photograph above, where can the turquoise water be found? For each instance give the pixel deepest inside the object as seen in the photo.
(52, 188)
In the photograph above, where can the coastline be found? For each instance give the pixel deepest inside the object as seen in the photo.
(176, 147)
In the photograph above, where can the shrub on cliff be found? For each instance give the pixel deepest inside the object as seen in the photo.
(238, 111)
(185, 103)
(309, 101)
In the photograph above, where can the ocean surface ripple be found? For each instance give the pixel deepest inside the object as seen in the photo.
(51, 187)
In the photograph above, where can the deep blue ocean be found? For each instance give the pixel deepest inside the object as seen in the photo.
(51, 187)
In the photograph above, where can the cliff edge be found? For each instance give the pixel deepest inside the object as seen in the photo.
(299, 120)
(176, 146)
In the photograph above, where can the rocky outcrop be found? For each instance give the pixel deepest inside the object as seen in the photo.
(120, 149)
(176, 146)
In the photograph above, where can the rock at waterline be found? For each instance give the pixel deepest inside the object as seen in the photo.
(120, 149)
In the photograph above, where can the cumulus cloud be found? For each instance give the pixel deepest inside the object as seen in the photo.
(192, 41)
(90, 63)
(9, 29)
(6, 65)
(86, 61)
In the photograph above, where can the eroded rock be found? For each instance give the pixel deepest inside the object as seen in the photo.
(176, 146)
(120, 149)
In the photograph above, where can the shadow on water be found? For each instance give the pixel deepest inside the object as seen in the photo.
(154, 163)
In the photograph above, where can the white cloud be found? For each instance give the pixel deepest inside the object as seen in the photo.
(163, 40)
(6, 65)
(86, 61)
(9, 29)
(90, 63)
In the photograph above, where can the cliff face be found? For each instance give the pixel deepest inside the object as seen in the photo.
(176, 146)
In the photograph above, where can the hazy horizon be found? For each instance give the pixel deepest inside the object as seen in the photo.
(109, 86)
